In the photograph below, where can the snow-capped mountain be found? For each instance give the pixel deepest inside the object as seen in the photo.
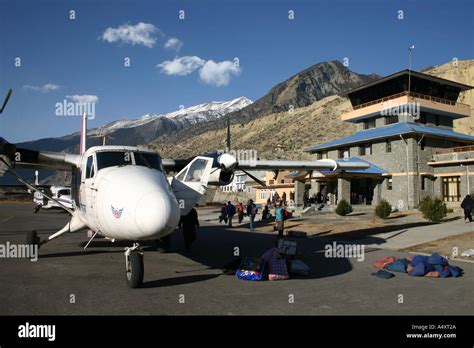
(183, 117)
(142, 130)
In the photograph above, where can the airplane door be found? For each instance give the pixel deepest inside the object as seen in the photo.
(88, 189)
(191, 183)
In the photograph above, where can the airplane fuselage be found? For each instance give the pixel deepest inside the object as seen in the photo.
(129, 201)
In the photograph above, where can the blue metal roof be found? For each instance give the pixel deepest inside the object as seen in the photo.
(373, 169)
(390, 131)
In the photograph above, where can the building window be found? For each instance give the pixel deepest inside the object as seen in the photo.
(451, 191)
(282, 181)
(370, 123)
(423, 183)
(263, 194)
(271, 182)
(437, 120)
(319, 156)
(388, 146)
(389, 183)
(343, 153)
(365, 149)
(368, 149)
(391, 119)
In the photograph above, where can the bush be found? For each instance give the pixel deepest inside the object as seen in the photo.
(343, 208)
(383, 209)
(433, 209)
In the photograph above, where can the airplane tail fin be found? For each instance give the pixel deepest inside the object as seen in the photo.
(83, 144)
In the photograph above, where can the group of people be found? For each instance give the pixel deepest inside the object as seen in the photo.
(228, 211)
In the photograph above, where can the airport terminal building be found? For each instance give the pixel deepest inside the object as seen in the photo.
(405, 133)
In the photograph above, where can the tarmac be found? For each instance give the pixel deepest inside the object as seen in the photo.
(68, 280)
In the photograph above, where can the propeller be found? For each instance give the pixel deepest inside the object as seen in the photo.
(228, 162)
(5, 101)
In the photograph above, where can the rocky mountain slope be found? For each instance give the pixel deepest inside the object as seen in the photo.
(286, 134)
(300, 90)
(144, 129)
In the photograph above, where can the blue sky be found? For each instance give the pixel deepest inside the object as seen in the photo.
(66, 59)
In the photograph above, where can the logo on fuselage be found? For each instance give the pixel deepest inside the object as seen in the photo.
(117, 213)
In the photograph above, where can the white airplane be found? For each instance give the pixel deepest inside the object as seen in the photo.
(59, 193)
(122, 192)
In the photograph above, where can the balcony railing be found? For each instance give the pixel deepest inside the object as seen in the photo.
(454, 150)
(402, 94)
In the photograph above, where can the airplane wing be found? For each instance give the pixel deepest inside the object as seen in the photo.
(24, 158)
(323, 164)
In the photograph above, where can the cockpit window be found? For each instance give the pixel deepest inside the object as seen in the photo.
(113, 158)
(64, 192)
(90, 167)
(107, 159)
(150, 160)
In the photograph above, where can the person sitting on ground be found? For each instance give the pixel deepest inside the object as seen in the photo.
(467, 204)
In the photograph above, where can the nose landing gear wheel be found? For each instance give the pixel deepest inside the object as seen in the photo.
(135, 269)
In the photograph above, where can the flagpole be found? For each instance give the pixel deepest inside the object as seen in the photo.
(409, 68)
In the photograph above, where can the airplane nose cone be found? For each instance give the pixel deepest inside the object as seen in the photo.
(152, 213)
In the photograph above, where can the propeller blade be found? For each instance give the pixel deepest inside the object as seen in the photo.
(5, 101)
(227, 150)
(257, 180)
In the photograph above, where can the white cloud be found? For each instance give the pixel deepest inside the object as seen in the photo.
(218, 74)
(139, 34)
(49, 87)
(86, 98)
(181, 66)
(174, 44)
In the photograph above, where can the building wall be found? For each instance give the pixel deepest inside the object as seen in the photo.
(279, 185)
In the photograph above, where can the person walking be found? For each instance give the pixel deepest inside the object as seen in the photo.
(230, 210)
(223, 216)
(251, 212)
(279, 219)
(305, 199)
(467, 204)
(240, 212)
(189, 223)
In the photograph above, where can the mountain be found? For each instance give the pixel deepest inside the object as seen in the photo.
(461, 71)
(302, 89)
(144, 129)
(286, 134)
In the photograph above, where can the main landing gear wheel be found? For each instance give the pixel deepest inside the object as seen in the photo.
(135, 269)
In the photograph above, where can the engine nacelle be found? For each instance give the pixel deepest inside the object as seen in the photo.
(221, 178)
